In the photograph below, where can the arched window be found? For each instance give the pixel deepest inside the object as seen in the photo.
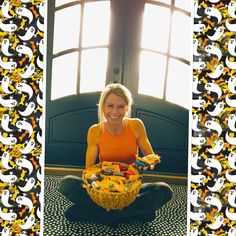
(81, 39)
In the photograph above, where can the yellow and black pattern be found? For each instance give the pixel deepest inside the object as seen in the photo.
(21, 104)
(213, 166)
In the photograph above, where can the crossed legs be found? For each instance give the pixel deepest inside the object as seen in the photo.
(151, 197)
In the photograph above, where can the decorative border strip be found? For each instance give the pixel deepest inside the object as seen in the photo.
(21, 67)
(213, 169)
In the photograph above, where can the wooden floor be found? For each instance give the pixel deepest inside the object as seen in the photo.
(147, 176)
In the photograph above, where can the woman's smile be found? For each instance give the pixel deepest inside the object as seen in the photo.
(114, 117)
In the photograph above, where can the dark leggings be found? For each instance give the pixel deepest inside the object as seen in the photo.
(151, 197)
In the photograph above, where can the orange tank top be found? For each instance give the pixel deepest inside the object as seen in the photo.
(120, 148)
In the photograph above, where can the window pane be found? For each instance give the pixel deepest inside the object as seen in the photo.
(180, 42)
(64, 75)
(152, 74)
(183, 4)
(178, 83)
(93, 70)
(61, 2)
(96, 24)
(156, 25)
(66, 37)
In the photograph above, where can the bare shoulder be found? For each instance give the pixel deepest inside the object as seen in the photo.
(137, 126)
(135, 123)
(94, 130)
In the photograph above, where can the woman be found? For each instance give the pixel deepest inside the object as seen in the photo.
(116, 137)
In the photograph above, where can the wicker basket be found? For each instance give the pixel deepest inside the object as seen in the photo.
(113, 200)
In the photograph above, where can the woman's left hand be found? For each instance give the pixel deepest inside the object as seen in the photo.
(147, 162)
(146, 167)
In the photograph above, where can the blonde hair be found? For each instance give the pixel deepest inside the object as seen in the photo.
(119, 90)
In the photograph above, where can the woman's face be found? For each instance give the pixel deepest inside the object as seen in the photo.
(115, 109)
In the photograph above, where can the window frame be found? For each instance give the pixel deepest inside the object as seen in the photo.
(168, 55)
(120, 67)
(78, 49)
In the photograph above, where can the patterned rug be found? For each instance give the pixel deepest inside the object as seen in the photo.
(171, 220)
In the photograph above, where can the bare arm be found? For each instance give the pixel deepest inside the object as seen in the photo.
(92, 147)
(143, 141)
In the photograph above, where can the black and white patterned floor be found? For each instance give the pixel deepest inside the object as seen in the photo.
(171, 220)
